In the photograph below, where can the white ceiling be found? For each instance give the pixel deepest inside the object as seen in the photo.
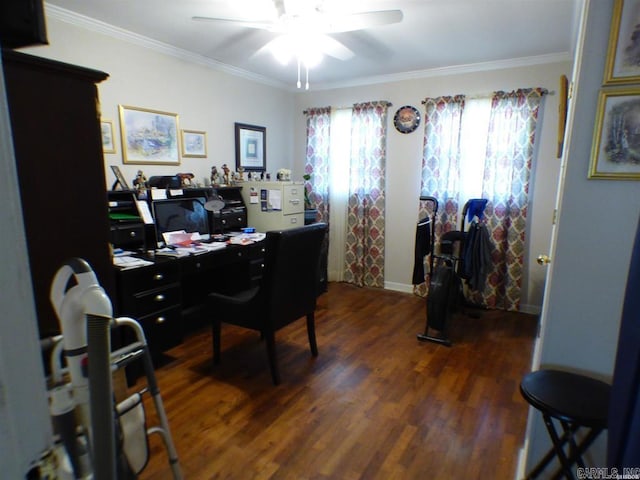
(433, 34)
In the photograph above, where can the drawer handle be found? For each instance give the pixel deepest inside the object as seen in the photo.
(294, 191)
(239, 254)
(294, 201)
(160, 320)
(159, 298)
(158, 276)
(262, 250)
(239, 219)
(132, 234)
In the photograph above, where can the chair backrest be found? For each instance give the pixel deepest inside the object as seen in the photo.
(291, 276)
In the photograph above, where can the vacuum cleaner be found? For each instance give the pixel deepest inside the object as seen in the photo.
(84, 312)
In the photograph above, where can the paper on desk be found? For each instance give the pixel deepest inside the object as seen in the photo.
(126, 262)
(246, 238)
(275, 199)
(178, 237)
(158, 194)
(171, 252)
(144, 212)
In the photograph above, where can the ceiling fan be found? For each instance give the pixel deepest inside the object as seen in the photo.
(303, 28)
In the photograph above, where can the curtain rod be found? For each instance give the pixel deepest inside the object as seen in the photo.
(478, 96)
(345, 107)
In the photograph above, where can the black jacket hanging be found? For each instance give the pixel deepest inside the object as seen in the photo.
(422, 249)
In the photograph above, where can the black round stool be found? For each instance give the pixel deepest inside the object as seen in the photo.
(575, 401)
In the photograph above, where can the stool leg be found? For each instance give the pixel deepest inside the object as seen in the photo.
(575, 455)
(558, 447)
(542, 464)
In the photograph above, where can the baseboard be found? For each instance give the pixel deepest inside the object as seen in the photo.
(531, 309)
(398, 287)
(522, 461)
(405, 288)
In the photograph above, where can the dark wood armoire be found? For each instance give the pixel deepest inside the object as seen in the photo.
(54, 112)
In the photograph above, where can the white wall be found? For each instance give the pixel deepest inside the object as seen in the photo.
(595, 232)
(404, 157)
(205, 99)
(25, 425)
(211, 100)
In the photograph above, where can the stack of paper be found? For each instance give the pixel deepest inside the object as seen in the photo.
(126, 262)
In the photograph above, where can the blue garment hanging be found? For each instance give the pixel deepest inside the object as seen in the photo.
(476, 208)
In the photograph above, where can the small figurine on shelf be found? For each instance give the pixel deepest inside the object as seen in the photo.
(226, 179)
(186, 179)
(241, 174)
(215, 176)
(140, 182)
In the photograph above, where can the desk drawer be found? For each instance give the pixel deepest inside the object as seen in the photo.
(231, 255)
(163, 330)
(127, 235)
(293, 199)
(152, 301)
(149, 278)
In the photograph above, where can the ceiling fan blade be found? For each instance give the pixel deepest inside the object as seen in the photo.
(334, 48)
(362, 21)
(238, 23)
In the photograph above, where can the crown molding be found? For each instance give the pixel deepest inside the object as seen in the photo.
(145, 42)
(97, 26)
(447, 71)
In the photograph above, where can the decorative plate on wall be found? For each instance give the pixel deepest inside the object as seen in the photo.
(406, 119)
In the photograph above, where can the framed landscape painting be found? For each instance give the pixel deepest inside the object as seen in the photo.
(616, 141)
(623, 57)
(108, 143)
(194, 143)
(149, 136)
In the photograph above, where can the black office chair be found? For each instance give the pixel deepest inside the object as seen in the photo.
(287, 291)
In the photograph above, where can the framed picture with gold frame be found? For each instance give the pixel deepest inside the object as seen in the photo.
(194, 143)
(562, 113)
(615, 153)
(623, 57)
(149, 136)
(108, 142)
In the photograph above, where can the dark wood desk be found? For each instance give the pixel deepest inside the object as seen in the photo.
(168, 298)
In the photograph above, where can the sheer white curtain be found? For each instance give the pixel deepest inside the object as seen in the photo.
(340, 150)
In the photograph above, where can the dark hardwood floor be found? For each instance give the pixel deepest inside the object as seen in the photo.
(375, 403)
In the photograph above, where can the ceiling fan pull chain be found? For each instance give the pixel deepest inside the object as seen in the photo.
(298, 84)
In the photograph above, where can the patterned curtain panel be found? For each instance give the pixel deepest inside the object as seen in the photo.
(364, 257)
(317, 164)
(441, 158)
(507, 170)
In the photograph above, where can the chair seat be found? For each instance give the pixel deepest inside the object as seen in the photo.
(568, 396)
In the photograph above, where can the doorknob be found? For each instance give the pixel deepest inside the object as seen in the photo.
(543, 260)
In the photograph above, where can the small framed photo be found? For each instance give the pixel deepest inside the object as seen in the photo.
(149, 136)
(251, 147)
(108, 143)
(623, 57)
(120, 180)
(615, 153)
(194, 143)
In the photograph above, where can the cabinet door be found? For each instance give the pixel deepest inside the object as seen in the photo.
(55, 123)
